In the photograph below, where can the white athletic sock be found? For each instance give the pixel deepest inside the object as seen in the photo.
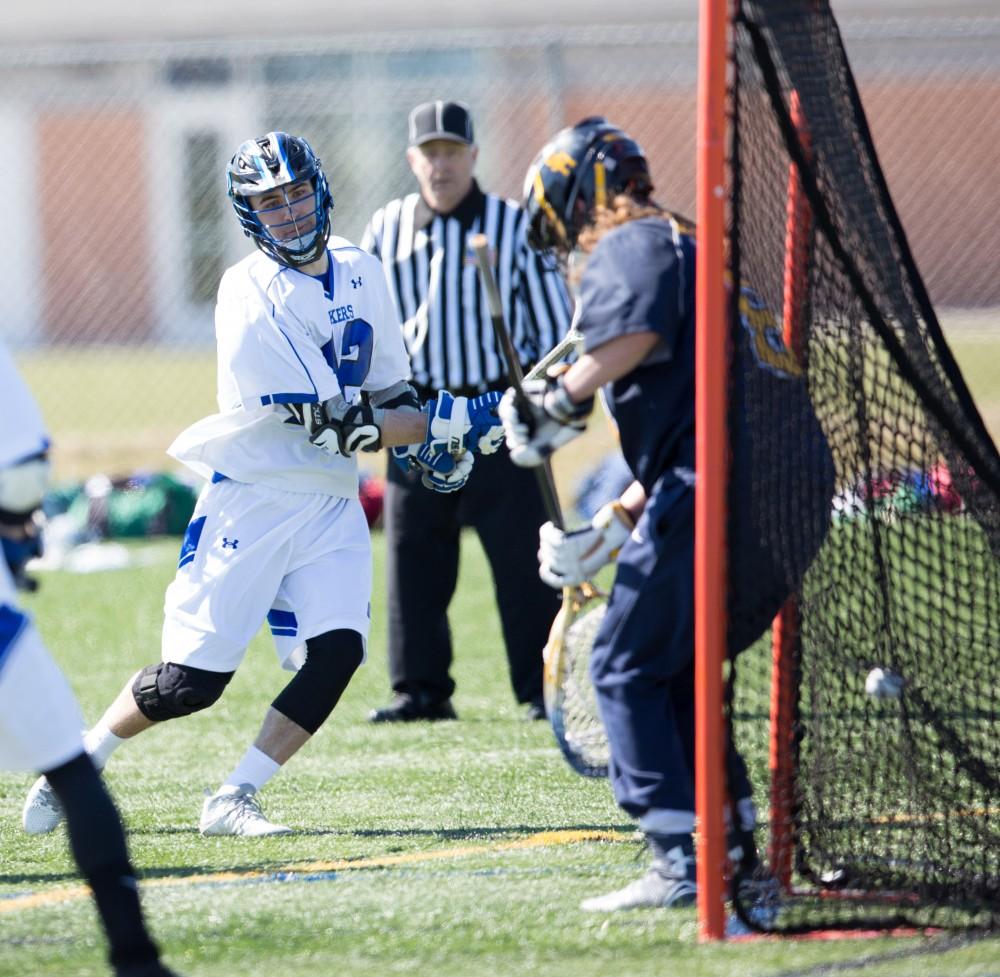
(100, 743)
(256, 768)
(667, 821)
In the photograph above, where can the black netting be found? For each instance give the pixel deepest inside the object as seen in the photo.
(892, 815)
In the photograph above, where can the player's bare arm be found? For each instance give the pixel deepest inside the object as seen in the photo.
(608, 362)
(633, 500)
(401, 426)
(462, 424)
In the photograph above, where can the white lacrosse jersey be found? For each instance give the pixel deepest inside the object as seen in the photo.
(22, 431)
(285, 337)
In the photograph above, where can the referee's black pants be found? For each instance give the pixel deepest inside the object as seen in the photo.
(504, 505)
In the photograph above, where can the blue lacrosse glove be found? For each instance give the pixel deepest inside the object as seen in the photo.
(439, 471)
(487, 431)
(457, 424)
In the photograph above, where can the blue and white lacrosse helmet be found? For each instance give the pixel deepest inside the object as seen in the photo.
(292, 222)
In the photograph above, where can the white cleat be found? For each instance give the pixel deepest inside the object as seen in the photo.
(42, 811)
(652, 891)
(236, 811)
(670, 882)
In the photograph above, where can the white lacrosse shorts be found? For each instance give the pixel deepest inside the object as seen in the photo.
(40, 721)
(251, 553)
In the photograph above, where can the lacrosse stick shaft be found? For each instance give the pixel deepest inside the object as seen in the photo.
(546, 482)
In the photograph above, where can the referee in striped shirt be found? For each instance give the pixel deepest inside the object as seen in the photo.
(423, 243)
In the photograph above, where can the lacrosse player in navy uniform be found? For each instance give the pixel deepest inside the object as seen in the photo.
(312, 369)
(589, 191)
(40, 721)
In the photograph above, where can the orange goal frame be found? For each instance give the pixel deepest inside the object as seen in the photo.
(712, 337)
(711, 362)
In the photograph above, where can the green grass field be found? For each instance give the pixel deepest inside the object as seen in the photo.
(454, 849)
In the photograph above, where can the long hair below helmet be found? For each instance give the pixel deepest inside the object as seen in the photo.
(277, 162)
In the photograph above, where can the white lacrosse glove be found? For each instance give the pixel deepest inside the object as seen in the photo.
(551, 420)
(439, 471)
(568, 559)
(457, 424)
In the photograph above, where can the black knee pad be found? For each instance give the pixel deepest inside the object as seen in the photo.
(331, 659)
(166, 691)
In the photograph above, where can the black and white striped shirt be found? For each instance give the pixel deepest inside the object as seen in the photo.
(434, 281)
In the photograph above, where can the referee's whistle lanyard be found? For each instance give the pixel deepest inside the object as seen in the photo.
(416, 327)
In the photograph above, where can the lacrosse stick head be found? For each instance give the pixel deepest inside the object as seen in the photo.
(570, 700)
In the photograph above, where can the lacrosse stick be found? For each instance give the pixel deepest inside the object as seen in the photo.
(570, 702)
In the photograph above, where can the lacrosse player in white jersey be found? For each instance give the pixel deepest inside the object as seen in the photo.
(312, 369)
(40, 721)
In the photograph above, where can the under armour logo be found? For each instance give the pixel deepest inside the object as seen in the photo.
(356, 282)
(226, 541)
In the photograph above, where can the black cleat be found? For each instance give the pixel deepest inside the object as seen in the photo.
(407, 708)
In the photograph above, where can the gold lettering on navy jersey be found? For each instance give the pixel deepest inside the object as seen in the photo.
(341, 313)
(766, 338)
(560, 163)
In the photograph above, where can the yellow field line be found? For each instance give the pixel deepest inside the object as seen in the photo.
(542, 839)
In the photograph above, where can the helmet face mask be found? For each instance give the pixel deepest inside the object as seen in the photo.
(545, 232)
(582, 168)
(281, 197)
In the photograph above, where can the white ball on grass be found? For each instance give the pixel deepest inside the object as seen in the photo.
(883, 683)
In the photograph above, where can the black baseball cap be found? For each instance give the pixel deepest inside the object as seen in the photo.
(441, 120)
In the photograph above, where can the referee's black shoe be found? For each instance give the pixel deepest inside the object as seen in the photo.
(536, 709)
(407, 707)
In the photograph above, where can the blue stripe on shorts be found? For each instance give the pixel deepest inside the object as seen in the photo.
(283, 624)
(192, 536)
(12, 624)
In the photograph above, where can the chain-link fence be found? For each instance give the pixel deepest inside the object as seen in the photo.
(118, 227)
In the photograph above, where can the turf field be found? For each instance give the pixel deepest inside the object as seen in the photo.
(454, 849)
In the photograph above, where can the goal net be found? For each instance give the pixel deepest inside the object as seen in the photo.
(870, 719)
